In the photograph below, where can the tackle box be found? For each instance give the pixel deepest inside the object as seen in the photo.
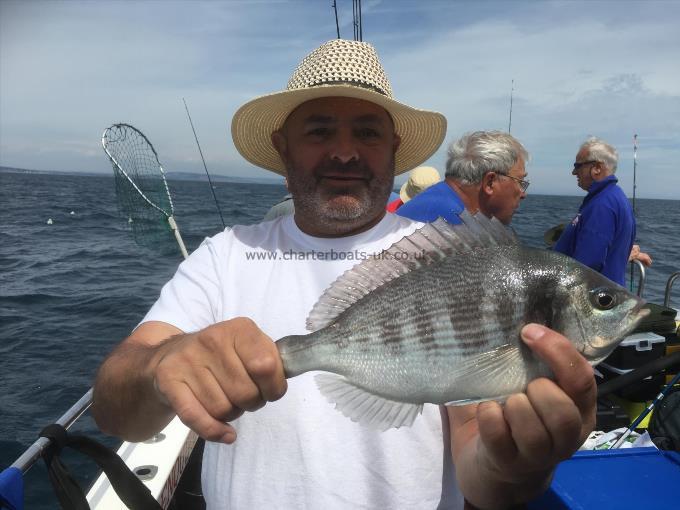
(637, 349)
(640, 391)
(628, 479)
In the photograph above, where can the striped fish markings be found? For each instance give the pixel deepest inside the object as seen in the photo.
(436, 318)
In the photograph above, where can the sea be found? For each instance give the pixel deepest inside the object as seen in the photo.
(70, 290)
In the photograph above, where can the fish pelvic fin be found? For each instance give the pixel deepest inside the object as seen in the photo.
(428, 245)
(364, 407)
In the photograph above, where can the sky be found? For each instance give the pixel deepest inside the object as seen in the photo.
(70, 69)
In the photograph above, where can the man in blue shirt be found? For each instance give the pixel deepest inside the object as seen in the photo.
(602, 233)
(485, 171)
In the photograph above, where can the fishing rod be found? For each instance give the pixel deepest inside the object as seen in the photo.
(212, 188)
(647, 410)
(634, 170)
(356, 15)
(361, 24)
(632, 268)
(512, 88)
(337, 25)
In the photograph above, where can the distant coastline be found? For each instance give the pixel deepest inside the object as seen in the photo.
(173, 176)
(191, 176)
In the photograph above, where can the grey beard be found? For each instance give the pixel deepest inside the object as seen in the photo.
(334, 218)
(338, 218)
(314, 204)
(338, 214)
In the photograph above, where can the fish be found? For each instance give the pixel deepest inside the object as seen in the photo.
(436, 318)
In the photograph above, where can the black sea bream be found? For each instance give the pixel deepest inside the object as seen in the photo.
(437, 317)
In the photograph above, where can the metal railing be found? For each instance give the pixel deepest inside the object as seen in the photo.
(641, 280)
(669, 286)
(33, 452)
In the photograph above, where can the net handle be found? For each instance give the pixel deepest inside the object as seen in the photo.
(178, 236)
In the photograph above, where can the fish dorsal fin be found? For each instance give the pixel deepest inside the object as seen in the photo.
(485, 231)
(427, 245)
(366, 408)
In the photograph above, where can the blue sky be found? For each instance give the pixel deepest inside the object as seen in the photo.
(70, 69)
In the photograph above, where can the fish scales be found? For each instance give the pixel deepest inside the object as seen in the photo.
(421, 346)
(444, 308)
(446, 329)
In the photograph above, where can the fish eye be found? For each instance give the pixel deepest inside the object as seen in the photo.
(603, 299)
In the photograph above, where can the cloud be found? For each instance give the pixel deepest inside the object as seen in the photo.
(70, 69)
(571, 79)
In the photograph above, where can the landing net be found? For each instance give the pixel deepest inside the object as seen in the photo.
(142, 192)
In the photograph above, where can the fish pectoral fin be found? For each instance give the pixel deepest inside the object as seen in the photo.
(364, 407)
(501, 369)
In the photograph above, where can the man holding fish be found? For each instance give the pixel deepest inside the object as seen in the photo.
(389, 347)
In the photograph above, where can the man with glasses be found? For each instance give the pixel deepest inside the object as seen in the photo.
(485, 171)
(601, 235)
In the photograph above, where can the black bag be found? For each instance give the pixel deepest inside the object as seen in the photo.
(664, 425)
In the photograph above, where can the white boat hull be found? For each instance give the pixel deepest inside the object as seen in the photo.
(158, 463)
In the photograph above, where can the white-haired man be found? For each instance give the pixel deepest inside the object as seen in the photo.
(601, 235)
(205, 352)
(485, 171)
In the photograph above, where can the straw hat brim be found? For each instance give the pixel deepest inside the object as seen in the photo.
(421, 131)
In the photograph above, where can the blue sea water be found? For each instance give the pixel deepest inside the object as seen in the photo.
(72, 290)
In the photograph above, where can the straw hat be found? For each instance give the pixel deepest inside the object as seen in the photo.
(337, 68)
(419, 180)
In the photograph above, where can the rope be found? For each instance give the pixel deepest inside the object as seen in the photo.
(130, 489)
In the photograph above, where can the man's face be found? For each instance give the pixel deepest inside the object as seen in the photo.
(508, 193)
(339, 155)
(583, 170)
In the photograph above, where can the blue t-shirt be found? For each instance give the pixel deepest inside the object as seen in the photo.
(602, 233)
(436, 201)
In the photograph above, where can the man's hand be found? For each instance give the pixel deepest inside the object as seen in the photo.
(213, 376)
(636, 254)
(206, 378)
(506, 454)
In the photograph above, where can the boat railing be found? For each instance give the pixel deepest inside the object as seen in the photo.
(33, 452)
(669, 286)
(174, 455)
(643, 276)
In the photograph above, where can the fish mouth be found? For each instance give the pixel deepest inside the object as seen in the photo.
(640, 311)
(599, 349)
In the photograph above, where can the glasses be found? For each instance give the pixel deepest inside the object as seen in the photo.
(583, 163)
(523, 185)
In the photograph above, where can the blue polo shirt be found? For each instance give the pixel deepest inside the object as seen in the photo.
(436, 201)
(602, 233)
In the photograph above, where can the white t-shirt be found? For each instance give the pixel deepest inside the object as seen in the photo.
(299, 452)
